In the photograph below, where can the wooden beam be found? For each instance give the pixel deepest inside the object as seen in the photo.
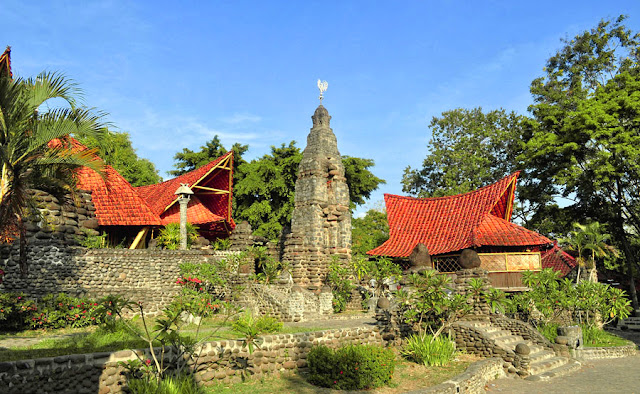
(136, 244)
(211, 189)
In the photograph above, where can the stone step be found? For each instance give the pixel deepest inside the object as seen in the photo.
(509, 340)
(632, 326)
(541, 355)
(570, 366)
(539, 367)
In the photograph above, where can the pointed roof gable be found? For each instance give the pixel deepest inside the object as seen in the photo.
(452, 223)
(211, 184)
(5, 63)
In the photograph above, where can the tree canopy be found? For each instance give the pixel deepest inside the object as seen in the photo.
(188, 160)
(116, 150)
(369, 231)
(468, 149)
(585, 142)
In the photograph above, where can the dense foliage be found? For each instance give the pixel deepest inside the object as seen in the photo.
(468, 149)
(30, 120)
(426, 350)
(369, 232)
(169, 237)
(116, 150)
(189, 160)
(338, 278)
(578, 152)
(353, 367)
(552, 300)
(18, 312)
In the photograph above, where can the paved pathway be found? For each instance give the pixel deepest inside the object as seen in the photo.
(619, 375)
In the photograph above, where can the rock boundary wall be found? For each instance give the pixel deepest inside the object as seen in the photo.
(225, 361)
(144, 275)
(596, 353)
(471, 381)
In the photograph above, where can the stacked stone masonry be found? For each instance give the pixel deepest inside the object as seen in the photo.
(141, 275)
(321, 221)
(220, 362)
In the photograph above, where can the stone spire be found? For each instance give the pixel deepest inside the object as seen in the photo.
(321, 221)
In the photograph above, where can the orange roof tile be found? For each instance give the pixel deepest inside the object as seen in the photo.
(559, 260)
(453, 223)
(115, 200)
(197, 213)
(161, 196)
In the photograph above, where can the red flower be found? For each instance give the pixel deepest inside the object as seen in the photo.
(148, 362)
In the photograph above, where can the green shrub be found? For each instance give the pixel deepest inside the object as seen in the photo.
(353, 367)
(91, 241)
(341, 286)
(549, 331)
(169, 236)
(251, 328)
(15, 311)
(18, 312)
(424, 349)
(596, 337)
(184, 384)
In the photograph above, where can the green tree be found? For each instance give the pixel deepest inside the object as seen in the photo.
(369, 231)
(265, 189)
(188, 160)
(468, 149)
(585, 143)
(360, 179)
(116, 150)
(590, 242)
(29, 120)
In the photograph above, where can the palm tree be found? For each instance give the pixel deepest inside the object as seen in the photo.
(589, 242)
(27, 158)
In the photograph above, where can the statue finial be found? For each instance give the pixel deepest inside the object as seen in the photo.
(322, 85)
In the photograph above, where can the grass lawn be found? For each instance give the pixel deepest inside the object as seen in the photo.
(408, 376)
(93, 339)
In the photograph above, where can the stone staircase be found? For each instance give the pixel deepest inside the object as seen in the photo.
(531, 360)
(631, 322)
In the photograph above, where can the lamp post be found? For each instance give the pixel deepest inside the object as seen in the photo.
(185, 195)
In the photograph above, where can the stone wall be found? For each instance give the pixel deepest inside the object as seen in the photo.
(220, 361)
(472, 381)
(141, 275)
(595, 353)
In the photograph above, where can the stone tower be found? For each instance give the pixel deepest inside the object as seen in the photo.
(321, 222)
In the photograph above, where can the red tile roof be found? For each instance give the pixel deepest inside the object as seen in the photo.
(197, 213)
(206, 205)
(453, 223)
(162, 195)
(115, 200)
(559, 260)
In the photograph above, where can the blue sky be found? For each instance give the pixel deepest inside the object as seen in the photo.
(174, 74)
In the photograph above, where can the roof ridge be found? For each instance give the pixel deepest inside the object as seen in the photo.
(459, 195)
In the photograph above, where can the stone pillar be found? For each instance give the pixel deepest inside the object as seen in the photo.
(183, 222)
(321, 221)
